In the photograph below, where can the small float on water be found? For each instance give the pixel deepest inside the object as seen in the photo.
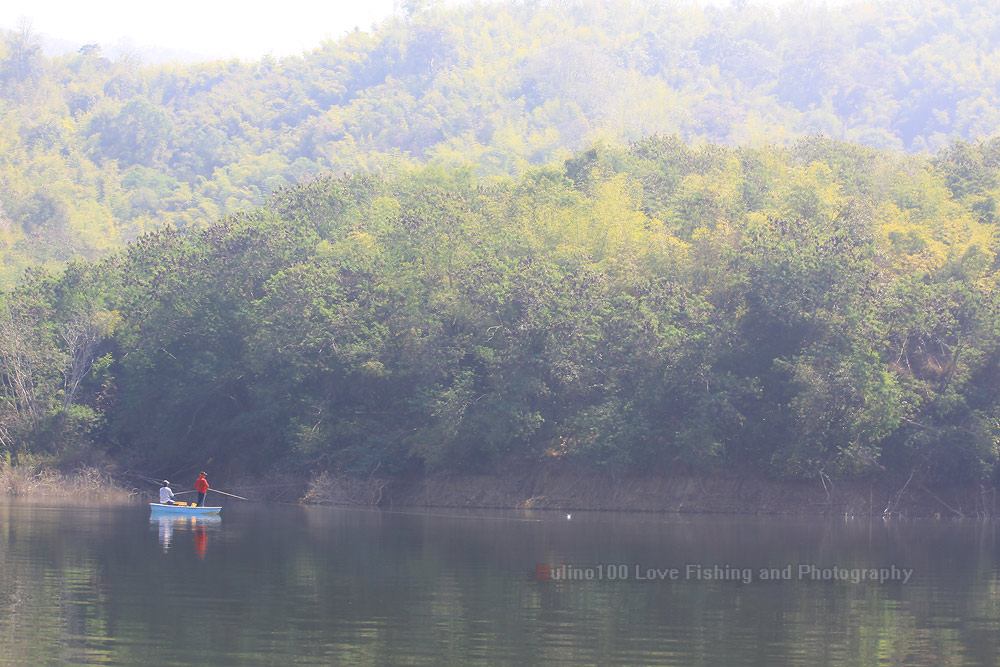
(182, 509)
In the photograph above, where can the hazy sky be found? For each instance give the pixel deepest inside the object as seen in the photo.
(216, 28)
(247, 29)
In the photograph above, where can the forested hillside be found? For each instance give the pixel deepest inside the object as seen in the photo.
(821, 310)
(94, 152)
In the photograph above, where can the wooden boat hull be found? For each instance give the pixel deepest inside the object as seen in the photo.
(182, 510)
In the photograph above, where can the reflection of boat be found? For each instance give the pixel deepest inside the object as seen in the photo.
(182, 510)
(167, 522)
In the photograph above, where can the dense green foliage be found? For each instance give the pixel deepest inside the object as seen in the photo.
(821, 310)
(95, 152)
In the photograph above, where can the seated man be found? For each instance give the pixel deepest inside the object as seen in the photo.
(166, 494)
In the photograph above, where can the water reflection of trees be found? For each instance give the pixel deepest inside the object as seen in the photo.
(369, 587)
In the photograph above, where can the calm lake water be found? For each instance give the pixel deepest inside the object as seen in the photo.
(281, 585)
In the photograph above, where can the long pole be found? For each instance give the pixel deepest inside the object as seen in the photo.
(231, 495)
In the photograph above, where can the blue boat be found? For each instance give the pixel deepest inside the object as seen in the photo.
(182, 510)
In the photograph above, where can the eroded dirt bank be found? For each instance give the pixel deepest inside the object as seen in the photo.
(562, 488)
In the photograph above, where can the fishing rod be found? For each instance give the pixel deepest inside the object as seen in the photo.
(181, 493)
(231, 495)
(143, 477)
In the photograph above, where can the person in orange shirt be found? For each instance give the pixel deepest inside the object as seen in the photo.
(201, 486)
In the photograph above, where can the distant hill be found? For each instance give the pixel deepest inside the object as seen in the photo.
(97, 148)
(149, 53)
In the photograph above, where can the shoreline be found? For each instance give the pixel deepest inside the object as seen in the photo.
(556, 487)
(39, 483)
(553, 487)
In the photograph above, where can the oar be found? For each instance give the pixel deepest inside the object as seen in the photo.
(231, 495)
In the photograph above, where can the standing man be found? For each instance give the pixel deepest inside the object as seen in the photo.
(201, 486)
